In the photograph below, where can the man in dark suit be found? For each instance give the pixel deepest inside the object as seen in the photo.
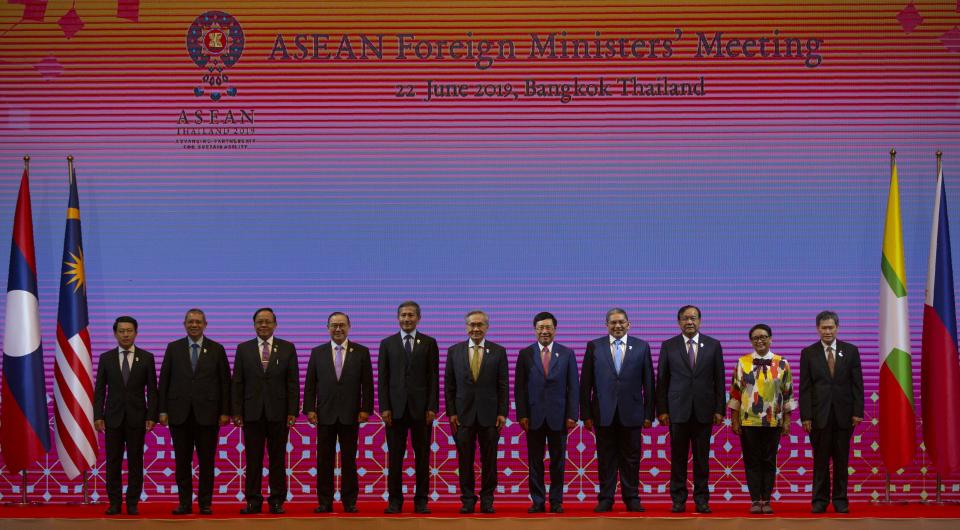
(337, 398)
(266, 400)
(125, 407)
(195, 403)
(547, 395)
(476, 391)
(831, 407)
(408, 375)
(690, 401)
(616, 402)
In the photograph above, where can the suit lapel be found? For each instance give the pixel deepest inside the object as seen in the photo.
(554, 358)
(607, 353)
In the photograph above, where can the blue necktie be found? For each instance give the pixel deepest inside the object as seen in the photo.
(618, 355)
(408, 344)
(194, 355)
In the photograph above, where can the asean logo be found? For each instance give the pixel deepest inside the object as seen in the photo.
(215, 43)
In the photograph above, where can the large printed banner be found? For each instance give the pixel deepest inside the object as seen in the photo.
(503, 155)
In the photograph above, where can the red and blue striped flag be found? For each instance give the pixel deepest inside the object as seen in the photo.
(940, 375)
(76, 438)
(26, 428)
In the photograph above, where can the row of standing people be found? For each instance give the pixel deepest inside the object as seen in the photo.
(614, 395)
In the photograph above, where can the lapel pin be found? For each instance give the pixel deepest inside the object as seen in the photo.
(136, 359)
(487, 350)
(629, 347)
(351, 350)
(204, 350)
(701, 345)
(840, 353)
(418, 341)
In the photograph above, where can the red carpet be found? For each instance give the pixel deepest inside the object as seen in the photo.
(724, 510)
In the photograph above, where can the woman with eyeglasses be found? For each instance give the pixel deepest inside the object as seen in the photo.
(761, 400)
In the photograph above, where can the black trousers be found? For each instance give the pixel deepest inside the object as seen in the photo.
(419, 430)
(271, 435)
(830, 443)
(760, 445)
(684, 438)
(327, 437)
(187, 437)
(467, 439)
(537, 440)
(132, 439)
(618, 452)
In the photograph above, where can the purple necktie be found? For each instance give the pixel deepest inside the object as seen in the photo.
(338, 362)
(691, 353)
(265, 355)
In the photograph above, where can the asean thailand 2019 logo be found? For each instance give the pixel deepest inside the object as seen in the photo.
(215, 43)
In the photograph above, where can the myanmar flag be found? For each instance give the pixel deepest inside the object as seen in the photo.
(897, 423)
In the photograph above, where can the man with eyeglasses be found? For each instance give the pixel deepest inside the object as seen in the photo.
(266, 401)
(477, 398)
(690, 401)
(617, 402)
(831, 407)
(337, 399)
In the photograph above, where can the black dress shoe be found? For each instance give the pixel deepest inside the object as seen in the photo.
(818, 508)
(350, 508)
(393, 508)
(421, 508)
(678, 507)
(556, 508)
(536, 508)
(487, 508)
(841, 508)
(467, 508)
(251, 509)
(113, 509)
(206, 510)
(182, 510)
(323, 508)
(132, 509)
(635, 506)
(703, 508)
(603, 506)
(277, 509)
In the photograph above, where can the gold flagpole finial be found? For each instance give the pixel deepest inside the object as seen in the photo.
(26, 162)
(893, 152)
(69, 167)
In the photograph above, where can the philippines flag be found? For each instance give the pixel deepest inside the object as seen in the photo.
(940, 375)
(26, 431)
(76, 438)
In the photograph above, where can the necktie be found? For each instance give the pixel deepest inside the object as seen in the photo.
(831, 360)
(692, 353)
(475, 363)
(265, 355)
(338, 361)
(194, 355)
(125, 366)
(618, 355)
(545, 359)
(408, 344)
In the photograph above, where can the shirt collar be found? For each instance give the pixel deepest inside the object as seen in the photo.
(769, 355)
(613, 340)
(133, 349)
(695, 339)
(541, 346)
(471, 344)
(333, 344)
(831, 345)
(403, 334)
(198, 343)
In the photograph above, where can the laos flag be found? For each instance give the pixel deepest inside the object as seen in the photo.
(25, 429)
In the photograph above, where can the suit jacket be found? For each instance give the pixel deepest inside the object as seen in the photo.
(819, 392)
(273, 394)
(550, 397)
(128, 405)
(408, 383)
(206, 390)
(630, 393)
(480, 402)
(339, 400)
(686, 393)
